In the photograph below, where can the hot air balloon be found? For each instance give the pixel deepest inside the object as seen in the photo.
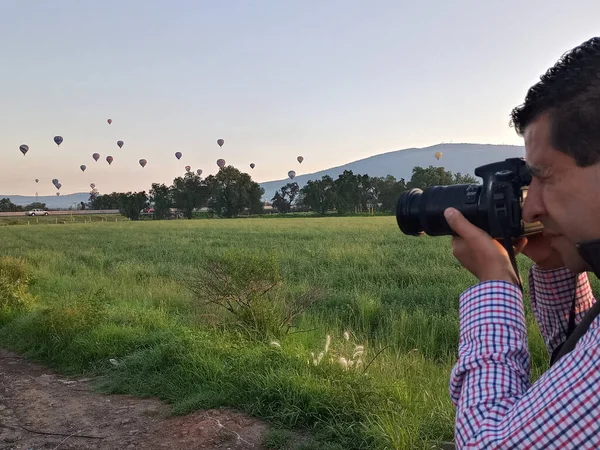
(82, 167)
(37, 180)
(143, 162)
(24, 148)
(199, 172)
(58, 185)
(58, 194)
(188, 168)
(58, 140)
(220, 142)
(92, 185)
(109, 160)
(252, 165)
(109, 121)
(178, 155)
(291, 174)
(96, 156)
(221, 163)
(120, 144)
(300, 159)
(438, 155)
(54, 181)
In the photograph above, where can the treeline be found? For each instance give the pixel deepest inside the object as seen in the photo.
(230, 193)
(7, 206)
(227, 194)
(351, 193)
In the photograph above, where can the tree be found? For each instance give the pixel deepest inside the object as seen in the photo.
(7, 206)
(188, 193)
(232, 191)
(348, 192)
(106, 201)
(388, 192)
(464, 179)
(280, 203)
(35, 205)
(93, 194)
(132, 204)
(432, 176)
(161, 196)
(319, 195)
(290, 192)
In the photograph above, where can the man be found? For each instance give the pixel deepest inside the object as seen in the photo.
(496, 406)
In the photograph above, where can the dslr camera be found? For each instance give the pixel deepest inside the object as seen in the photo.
(495, 206)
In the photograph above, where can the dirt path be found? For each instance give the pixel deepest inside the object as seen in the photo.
(35, 402)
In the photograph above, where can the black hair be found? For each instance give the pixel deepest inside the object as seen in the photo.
(569, 92)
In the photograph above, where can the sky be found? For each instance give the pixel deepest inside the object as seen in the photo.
(333, 81)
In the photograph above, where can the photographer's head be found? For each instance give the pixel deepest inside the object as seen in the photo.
(560, 122)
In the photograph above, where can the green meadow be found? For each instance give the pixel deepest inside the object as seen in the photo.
(341, 329)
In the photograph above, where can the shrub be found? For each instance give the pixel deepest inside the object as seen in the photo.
(251, 288)
(14, 284)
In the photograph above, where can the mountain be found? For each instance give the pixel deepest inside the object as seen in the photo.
(51, 201)
(463, 158)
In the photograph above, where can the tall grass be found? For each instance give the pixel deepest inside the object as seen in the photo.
(120, 292)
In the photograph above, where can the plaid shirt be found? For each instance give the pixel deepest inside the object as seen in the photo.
(496, 405)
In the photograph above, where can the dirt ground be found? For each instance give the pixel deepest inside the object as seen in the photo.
(42, 410)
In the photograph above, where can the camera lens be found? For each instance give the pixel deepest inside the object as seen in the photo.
(407, 212)
(422, 211)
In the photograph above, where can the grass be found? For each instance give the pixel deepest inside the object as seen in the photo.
(61, 219)
(120, 291)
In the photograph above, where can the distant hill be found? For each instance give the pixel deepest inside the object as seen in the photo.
(51, 201)
(462, 158)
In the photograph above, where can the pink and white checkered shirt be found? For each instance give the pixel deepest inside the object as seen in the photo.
(496, 405)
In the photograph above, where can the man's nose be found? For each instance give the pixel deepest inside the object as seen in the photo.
(533, 208)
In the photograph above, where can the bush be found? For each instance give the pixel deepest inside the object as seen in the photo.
(250, 287)
(14, 284)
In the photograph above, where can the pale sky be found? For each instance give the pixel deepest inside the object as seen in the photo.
(333, 81)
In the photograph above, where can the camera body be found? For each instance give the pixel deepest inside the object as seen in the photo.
(495, 206)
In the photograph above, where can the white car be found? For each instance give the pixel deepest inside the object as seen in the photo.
(37, 212)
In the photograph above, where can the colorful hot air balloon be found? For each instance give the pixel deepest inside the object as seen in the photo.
(120, 144)
(24, 148)
(58, 140)
(109, 160)
(92, 185)
(96, 156)
(221, 163)
(438, 155)
(37, 180)
(220, 142)
(188, 168)
(300, 159)
(291, 174)
(199, 172)
(252, 165)
(82, 167)
(178, 155)
(143, 162)
(109, 121)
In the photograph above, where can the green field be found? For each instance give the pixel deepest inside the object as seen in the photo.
(61, 219)
(122, 291)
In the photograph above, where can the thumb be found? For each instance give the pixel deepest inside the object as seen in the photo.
(461, 225)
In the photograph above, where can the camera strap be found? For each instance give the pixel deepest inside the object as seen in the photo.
(508, 246)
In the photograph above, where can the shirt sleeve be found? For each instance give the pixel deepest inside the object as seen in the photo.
(551, 294)
(496, 406)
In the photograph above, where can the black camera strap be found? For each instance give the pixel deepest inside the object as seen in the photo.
(508, 246)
